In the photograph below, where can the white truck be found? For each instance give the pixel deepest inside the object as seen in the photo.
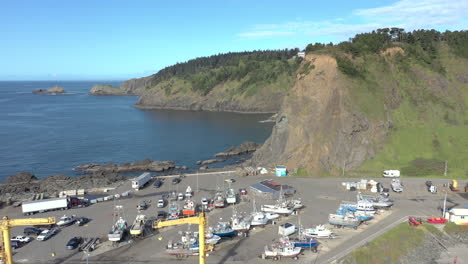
(286, 229)
(141, 181)
(391, 174)
(40, 206)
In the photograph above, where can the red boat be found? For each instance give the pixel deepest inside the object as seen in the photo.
(436, 220)
(413, 221)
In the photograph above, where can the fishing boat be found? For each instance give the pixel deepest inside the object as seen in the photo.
(340, 220)
(295, 204)
(277, 209)
(138, 226)
(211, 238)
(174, 212)
(66, 220)
(218, 200)
(363, 215)
(320, 231)
(360, 205)
(239, 222)
(188, 246)
(189, 208)
(282, 248)
(119, 227)
(223, 229)
(231, 197)
(379, 201)
(261, 218)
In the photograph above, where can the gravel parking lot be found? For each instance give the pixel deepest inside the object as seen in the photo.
(320, 196)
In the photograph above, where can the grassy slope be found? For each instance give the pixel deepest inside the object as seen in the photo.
(425, 126)
(391, 246)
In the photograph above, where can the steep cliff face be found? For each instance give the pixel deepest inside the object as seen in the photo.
(402, 115)
(317, 128)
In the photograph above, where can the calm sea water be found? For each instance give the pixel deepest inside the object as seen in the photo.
(49, 134)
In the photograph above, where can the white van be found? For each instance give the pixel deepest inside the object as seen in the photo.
(391, 173)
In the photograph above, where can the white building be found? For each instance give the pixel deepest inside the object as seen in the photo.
(301, 54)
(459, 216)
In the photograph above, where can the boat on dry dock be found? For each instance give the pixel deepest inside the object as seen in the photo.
(138, 226)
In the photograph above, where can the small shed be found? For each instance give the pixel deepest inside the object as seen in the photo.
(459, 216)
(281, 171)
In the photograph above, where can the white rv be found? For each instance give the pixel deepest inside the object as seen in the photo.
(140, 181)
(391, 173)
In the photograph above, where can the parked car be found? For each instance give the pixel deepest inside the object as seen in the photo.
(21, 239)
(204, 201)
(82, 221)
(32, 231)
(161, 203)
(180, 197)
(142, 205)
(74, 242)
(176, 180)
(15, 244)
(161, 215)
(230, 180)
(157, 183)
(46, 234)
(243, 191)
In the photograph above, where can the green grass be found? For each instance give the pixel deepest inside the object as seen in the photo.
(453, 228)
(391, 246)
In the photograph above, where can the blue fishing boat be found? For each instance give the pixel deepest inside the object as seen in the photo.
(305, 243)
(223, 229)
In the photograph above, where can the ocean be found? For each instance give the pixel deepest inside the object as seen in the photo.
(51, 134)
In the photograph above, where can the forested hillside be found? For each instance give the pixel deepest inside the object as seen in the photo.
(384, 99)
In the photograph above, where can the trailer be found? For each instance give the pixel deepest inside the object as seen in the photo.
(141, 181)
(40, 206)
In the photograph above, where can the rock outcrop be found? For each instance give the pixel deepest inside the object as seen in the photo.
(144, 165)
(54, 90)
(24, 184)
(108, 90)
(210, 161)
(317, 128)
(244, 148)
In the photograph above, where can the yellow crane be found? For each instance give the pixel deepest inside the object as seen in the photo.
(6, 224)
(199, 220)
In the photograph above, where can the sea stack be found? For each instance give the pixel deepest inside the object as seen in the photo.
(54, 90)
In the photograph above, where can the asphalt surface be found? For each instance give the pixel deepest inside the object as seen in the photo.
(321, 196)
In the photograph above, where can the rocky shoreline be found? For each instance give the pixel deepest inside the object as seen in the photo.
(23, 185)
(144, 165)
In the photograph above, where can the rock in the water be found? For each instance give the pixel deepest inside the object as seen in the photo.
(244, 148)
(210, 161)
(54, 90)
(108, 90)
(144, 165)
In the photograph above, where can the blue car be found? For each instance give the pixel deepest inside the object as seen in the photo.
(74, 242)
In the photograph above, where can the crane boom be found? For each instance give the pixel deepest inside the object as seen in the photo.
(197, 220)
(6, 224)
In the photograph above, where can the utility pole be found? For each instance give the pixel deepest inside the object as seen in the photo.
(445, 170)
(445, 204)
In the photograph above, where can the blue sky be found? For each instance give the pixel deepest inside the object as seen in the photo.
(63, 40)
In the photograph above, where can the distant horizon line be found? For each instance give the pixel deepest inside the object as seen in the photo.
(66, 80)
